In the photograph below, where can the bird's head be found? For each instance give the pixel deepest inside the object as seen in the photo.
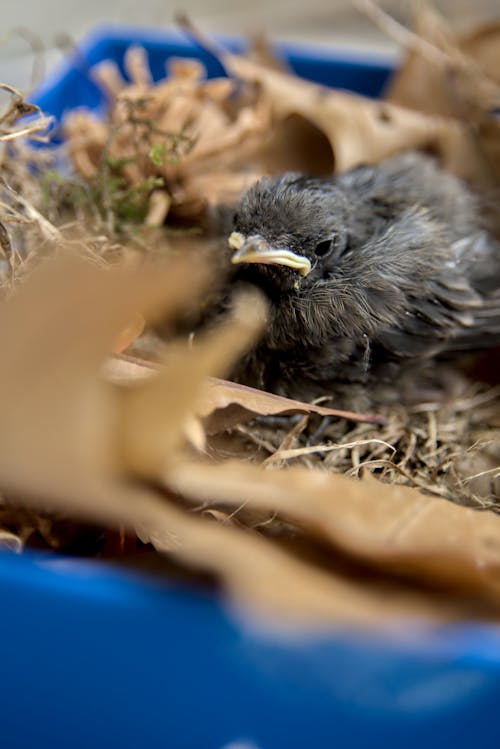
(288, 232)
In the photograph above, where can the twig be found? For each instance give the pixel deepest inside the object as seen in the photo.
(37, 47)
(468, 404)
(46, 227)
(202, 40)
(451, 58)
(37, 127)
(495, 471)
(18, 105)
(6, 246)
(399, 33)
(256, 439)
(299, 451)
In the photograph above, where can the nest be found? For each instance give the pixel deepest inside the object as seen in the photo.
(300, 508)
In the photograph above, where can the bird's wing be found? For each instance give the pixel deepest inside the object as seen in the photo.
(459, 310)
(484, 331)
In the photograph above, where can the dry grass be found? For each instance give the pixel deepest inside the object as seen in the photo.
(449, 449)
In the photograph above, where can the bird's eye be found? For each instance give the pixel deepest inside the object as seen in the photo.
(335, 243)
(324, 248)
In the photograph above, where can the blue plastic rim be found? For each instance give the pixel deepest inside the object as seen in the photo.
(93, 656)
(70, 86)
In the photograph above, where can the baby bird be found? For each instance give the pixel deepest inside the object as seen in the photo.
(366, 272)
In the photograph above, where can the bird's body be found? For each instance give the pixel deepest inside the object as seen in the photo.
(377, 268)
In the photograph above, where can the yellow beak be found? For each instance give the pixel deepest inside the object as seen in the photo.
(255, 249)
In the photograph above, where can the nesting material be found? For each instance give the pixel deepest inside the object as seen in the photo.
(301, 511)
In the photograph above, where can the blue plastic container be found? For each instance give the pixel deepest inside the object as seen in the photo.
(95, 657)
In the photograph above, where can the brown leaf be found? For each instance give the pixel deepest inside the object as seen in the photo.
(129, 334)
(457, 77)
(54, 338)
(297, 144)
(214, 188)
(180, 129)
(421, 80)
(359, 129)
(128, 370)
(148, 411)
(260, 50)
(393, 527)
(264, 579)
(226, 403)
(483, 45)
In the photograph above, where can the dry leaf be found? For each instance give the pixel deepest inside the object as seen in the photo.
(149, 411)
(359, 129)
(283, 122)
(457, 77)
(393, 527)
(421, 82)
(127, 370)
(224, 403)
(227, 403)
(482, 44)
(55, 346)
(129, 334)
(178, 129)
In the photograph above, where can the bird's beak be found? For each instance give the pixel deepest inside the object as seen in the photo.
(255, 249)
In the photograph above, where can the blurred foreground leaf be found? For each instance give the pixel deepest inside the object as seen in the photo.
(74, 443)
